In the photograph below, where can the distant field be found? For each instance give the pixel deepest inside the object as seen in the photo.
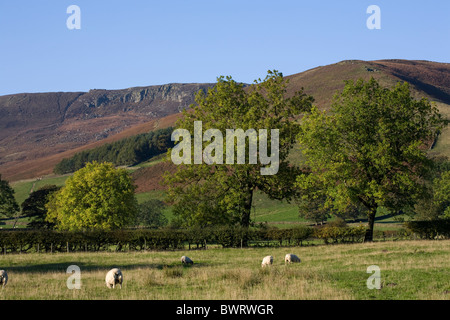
(274, 211)
(23, 188)
(442, 147)
(411, 270)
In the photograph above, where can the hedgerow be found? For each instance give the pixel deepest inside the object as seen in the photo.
(431, 229)
(170, 239)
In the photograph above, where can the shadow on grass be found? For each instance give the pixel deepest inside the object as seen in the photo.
(380, 219)
(87, 267)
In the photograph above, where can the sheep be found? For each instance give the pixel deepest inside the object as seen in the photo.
(186, 260)
(290, 258)
(3, 278)
(113, 277)
(267, 261)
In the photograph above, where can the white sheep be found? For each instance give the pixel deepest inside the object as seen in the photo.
(3, 278)
(267, 261)
(186, 260)
(290, 258)
(113, 277)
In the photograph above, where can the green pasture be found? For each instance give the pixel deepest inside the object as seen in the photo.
(408, 270)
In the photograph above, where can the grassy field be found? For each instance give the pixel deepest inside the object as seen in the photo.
(411, 270)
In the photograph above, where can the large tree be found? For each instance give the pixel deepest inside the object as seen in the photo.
(215, 190)
(370, 149)
(97, 197)
(8, 203)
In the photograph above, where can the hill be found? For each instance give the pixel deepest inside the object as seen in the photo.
(37, 129)
(81, 121)
(429, 79)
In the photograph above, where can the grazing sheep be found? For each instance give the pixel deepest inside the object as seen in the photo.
(290, 258)
(267, 261)
(113, 277)
(186, 260)
(3, 278)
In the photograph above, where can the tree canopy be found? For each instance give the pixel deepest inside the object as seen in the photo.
(370, 149)
(97, 197)
(8, 203)
(219, 191)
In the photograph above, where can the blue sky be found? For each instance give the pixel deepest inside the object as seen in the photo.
(130, 43)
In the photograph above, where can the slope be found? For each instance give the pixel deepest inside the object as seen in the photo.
(102, 110)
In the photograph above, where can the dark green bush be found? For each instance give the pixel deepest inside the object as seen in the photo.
(431, 229)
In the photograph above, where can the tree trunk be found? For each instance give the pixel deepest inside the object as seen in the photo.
(245, 215)
(371, 220)
(247, 208)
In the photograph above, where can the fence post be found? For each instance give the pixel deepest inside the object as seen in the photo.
(67, 247)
